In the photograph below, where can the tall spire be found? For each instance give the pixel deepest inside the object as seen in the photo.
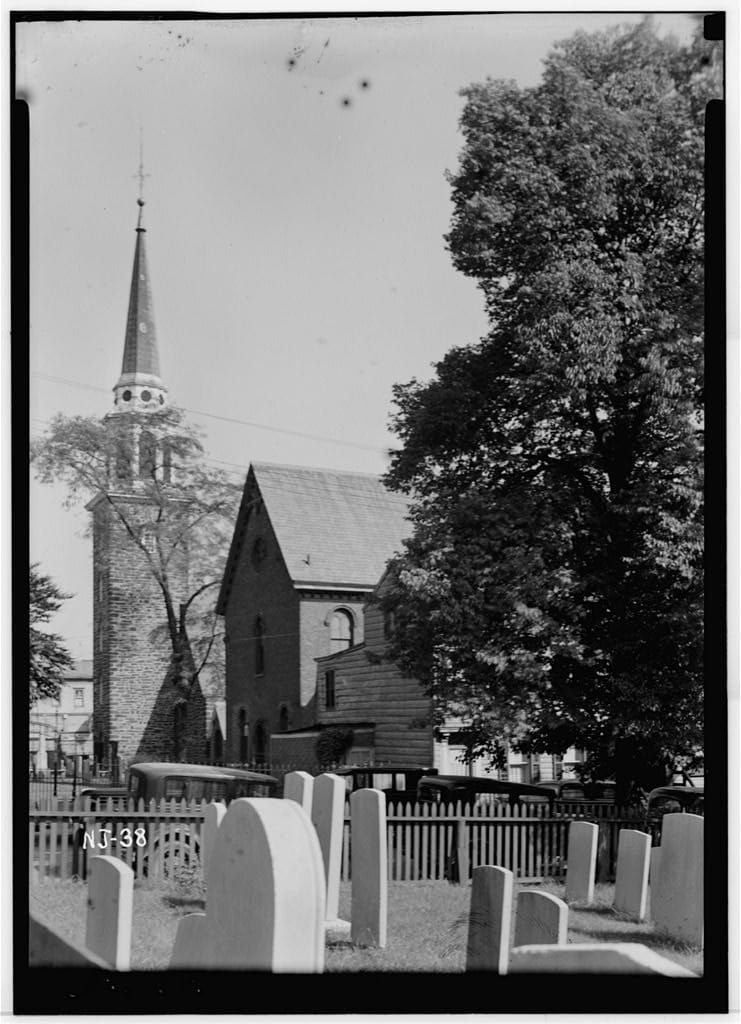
(140, 386)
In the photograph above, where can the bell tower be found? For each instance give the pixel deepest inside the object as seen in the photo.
(140, 386)
(138, 712)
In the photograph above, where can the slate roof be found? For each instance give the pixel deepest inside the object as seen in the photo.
(334, 528)
(141, 356)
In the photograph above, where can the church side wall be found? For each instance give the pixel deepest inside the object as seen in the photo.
(261, 587)
(368, 689)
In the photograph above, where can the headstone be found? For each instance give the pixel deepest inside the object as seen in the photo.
(110, 908)
(188, 953)
(489, 919)
(581, 859)
(677, 905)
(48, 949)
(299, 786)
(653, 871)
(327, 814)
(631, 877)
(594, 958)
(265, 905)
(369, 868)
(540, 918)
(212, 819)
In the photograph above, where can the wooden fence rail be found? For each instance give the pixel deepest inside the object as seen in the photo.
(424, 842)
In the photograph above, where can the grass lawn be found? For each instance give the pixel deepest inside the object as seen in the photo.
(427, 924)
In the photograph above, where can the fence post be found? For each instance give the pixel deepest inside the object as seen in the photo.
(458, 860)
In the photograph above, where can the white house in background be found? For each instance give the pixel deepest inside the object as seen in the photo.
(63, 728)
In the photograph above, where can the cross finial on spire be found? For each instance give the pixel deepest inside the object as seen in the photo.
(140, 173)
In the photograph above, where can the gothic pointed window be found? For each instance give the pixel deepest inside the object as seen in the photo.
(341, 630)
(259, 646)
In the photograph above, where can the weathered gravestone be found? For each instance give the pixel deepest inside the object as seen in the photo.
(489, 919)
(594, 958)
(110, 908)
(655, 864)
(327, 814)
(631, 877)
(581, 859)
(677, 897)
(540, 918)
(265, 904)
(299, 786)
(48, 949)
(369, 868)
(190, 939)
(212, 819)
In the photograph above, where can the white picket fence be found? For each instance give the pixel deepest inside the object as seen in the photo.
(423, 842)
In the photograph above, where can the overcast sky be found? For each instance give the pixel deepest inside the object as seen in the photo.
(296, 207)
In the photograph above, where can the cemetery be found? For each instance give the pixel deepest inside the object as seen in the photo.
(267, 892)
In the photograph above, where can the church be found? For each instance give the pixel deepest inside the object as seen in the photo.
(139, 713)
(308, 680)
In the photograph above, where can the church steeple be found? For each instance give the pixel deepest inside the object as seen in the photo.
(140, 386)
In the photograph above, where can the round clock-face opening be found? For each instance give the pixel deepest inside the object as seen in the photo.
(126, 396)
(143, 327)
(146, 396)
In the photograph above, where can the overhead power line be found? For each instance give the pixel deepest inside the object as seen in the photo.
(230, 419)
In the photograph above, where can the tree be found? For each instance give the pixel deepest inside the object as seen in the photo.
(552, 588)
(182, 513)
(49, 658)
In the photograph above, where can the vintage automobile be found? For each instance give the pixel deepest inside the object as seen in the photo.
(398, 782)
(177, 845)
(668, 800)
(447, 789)
(576, 791)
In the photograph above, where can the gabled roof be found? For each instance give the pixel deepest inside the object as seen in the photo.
(334, 529)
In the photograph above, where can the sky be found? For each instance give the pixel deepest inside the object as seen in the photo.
(296, 203)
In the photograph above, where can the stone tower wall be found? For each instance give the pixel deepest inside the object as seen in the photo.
(135, 697)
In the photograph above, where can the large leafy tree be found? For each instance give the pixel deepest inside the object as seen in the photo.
(176, 510)
(552, 589)
(49, 658)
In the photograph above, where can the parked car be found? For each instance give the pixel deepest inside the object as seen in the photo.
(668, 800)
(157, 780)
(161, 780)
(447, 789)
(574, 790)
(398, 782)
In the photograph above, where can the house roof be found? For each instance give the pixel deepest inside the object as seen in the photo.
(334, 529)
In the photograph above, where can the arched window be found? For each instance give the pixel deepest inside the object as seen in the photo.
(123, 461)
(242, 728)
(341, 630)
(283, 718)
(259, 646)
(261, 744)
(179, 720)
(147, 455)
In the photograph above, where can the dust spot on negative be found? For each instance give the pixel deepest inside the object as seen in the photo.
(291, 62)
(346, 101)
(365, 83)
